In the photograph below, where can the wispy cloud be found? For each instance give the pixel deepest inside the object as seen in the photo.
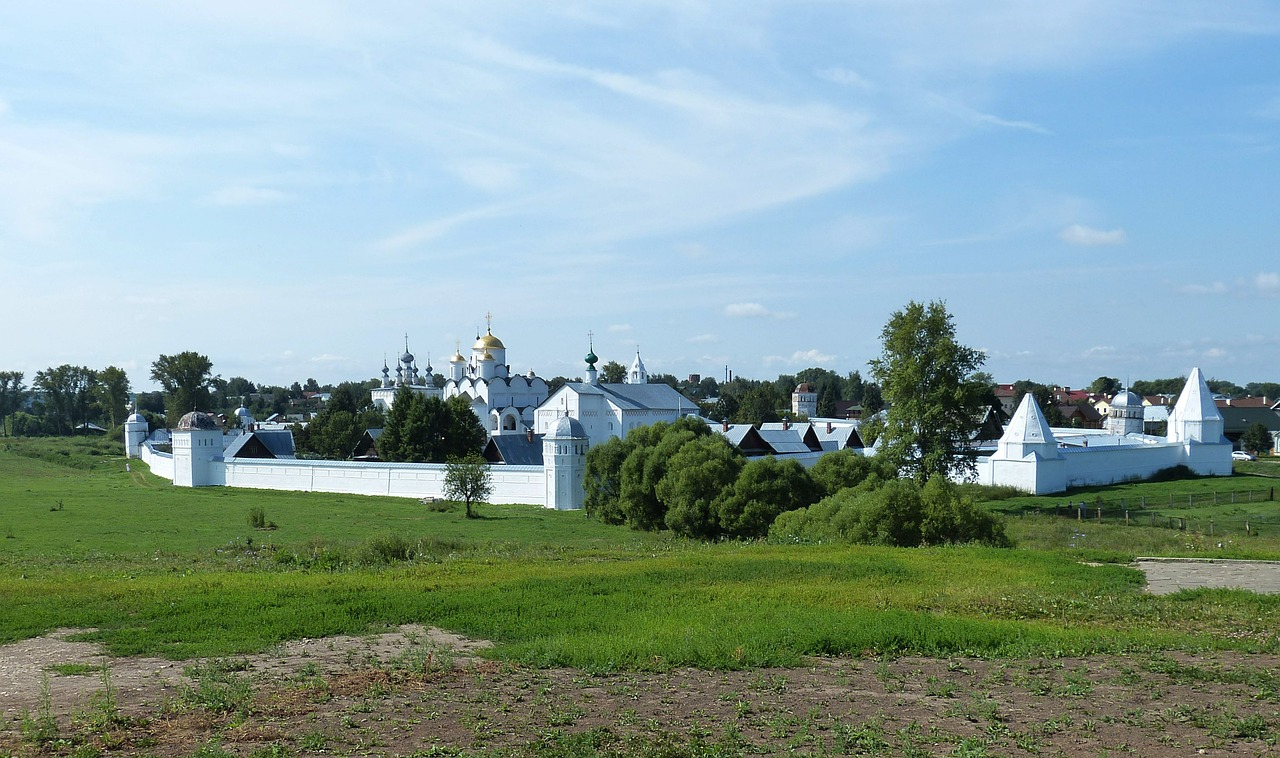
(1268, 282)
(1212, 288)
(233, 196)
(754, 310)
(619, 328)
(846, 77)
(801, 357)
(702, 338)
(1079, 234)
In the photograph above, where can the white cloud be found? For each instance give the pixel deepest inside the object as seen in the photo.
(616, 328)
(1268, 282)
(815, 357)
(1214, 288)
(1079, 234)
(846, 77)
(701, 338)
(754, 310)
(234, 196)
(327, 358)
(1216, 353)
(488, 175)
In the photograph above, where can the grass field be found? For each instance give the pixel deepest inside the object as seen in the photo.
(180, 573)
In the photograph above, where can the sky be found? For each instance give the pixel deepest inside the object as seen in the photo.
(292, 187)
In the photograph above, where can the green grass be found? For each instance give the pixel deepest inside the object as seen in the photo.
(179, 572)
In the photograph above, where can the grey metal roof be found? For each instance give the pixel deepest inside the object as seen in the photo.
(279, 442)
(515, 449)
(639, 396)
(784, 441)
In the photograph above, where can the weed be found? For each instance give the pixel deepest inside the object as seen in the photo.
(220, 688)
(935, 687)
(865, 738)
(74, 669)
(42, 728)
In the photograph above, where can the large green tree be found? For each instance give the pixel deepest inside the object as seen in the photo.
(428, 430)
(113, 393)
(697, 475)
(934, 403)
(67, 392)
(13, 392)
(187, 380)
(613, 373)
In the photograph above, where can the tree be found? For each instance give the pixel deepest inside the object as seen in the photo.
(826, 403)
(763, 489)
(67, 391)
(429, 430)
(758, 406)
(602, 480)
(187, 379)
(113, 393)
(613, 373)
(934, 403)
(696, 476)
(1263, 389)
(12, 395)
(1105, 385)
(468, 479)
(1257, 440)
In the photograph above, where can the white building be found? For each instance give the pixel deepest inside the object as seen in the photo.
(1037, 459)
(612, 410)
(804, 401)
(406, 376)
(504, 403)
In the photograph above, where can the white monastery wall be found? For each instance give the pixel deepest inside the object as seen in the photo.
(1086, 467)
(161, 464)
(511, 484)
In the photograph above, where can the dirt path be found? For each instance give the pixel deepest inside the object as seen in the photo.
(421, 690)
(1168, 575)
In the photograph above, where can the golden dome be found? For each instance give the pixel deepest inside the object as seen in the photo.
(488, 342)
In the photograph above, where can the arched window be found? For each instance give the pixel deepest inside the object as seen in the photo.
(509, 423)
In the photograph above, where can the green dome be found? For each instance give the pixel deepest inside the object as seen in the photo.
(591, 358)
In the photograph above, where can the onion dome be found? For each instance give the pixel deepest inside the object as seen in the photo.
(591, 358)
(488, 342)
(135, 418)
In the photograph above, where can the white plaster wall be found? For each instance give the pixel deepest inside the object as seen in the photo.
(1087, 467)
(511, 484)
(161, 464)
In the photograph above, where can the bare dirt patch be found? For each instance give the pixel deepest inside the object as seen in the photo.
(421, 690)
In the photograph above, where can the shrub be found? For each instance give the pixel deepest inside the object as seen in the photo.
(896, 513)
(388, 548)
(257, 518)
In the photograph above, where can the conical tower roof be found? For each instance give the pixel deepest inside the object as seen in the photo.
(1028, 425)
(1196, 401)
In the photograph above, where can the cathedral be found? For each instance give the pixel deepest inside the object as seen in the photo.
(504, 402)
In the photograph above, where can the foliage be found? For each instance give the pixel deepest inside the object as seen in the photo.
(759, 406)
(697, 474)
(334, 432)
(1257, 439)
(934, 402)
(602, 480)
(468, 479)
(428, 430)
(613, 373)
(1171, 386)
(848, 468)
(67, 391)
(187, 381)
(764, 488)
(1105, 385)
(112, 394)
(897, 513)
(13, 393)
(645, 466)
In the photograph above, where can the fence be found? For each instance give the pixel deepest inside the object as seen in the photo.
(1163, 512)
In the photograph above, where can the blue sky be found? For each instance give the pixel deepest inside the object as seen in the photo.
(289, 188)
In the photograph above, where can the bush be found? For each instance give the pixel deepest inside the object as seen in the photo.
(388, 548)
(896, 513)
(257, 518)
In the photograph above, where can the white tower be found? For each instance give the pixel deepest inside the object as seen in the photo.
(197, 441)
(1125, 416)
(135, 433)
(804, 401)
(637, 374)
(564, 461)
(593, 376)
(1195, 417)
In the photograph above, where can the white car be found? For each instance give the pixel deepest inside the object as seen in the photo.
(1240, 455)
